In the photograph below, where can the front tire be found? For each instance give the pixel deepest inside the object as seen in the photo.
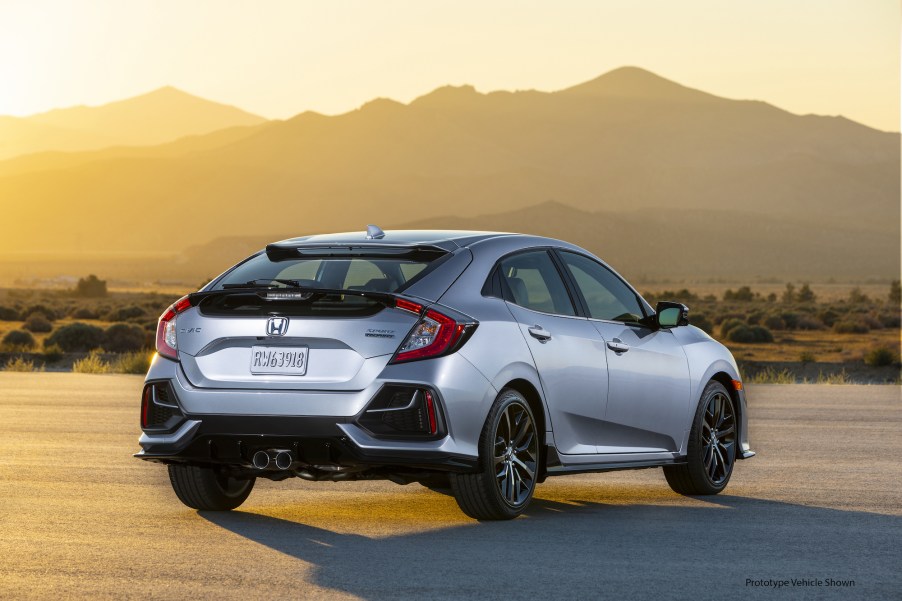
(711, 453)
(508, 463)
(207, 489)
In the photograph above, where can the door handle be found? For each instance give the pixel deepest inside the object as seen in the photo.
(540, 333)
(618, 346)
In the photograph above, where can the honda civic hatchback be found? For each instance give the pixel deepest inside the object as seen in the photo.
(475, 363)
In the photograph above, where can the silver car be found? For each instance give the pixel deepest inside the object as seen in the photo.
(477, 363)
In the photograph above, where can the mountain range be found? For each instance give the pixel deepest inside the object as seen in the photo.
(153, 118)
(658, 178)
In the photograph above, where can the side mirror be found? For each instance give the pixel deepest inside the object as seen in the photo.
(671, 315)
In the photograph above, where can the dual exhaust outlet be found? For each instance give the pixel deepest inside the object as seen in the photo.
(272, 458)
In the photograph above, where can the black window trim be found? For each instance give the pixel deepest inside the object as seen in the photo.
(583, 306)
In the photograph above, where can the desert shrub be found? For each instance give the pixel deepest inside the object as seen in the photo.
(123, 338)
(769, 375)
(754, 318)
(775, 322)
(90, 287)
(872, 322)
(890, 320)
(880, 357)
(21, 364)
(702, 322)
(743, 294)
(805, 295)
(791, 319)
(92, 364)
(52, 354)
(36, 322)
(895, 293)
(828, 317)
(835, 378)
(719, 318)
(150, 326)
(729, 325)
(48, 312)
(83, 313)
(76, 337)
(125, 313)
(789, 295)
(807, 357)
(849, 326)
(8, 314)
(750, 334)
(857, 297)
(132, 363)
(19, 339)
(809, 322)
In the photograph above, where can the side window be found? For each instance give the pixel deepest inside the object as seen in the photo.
(606, 295)
(534, 283)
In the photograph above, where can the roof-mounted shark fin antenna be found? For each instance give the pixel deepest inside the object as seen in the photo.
(374, 232)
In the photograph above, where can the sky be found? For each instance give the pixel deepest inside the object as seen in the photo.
(280, 58)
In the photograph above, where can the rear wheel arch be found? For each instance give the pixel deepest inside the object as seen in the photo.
(531, 394)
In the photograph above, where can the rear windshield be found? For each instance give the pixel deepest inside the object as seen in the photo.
(375, 274)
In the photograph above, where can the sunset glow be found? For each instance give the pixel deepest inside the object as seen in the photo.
(277, 59)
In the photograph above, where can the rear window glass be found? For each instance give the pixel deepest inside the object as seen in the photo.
(377, 274)
(374, 274)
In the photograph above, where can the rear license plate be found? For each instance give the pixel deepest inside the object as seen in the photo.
(281, 360)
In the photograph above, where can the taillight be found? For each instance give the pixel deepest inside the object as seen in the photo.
(434, 335)
(167, 342)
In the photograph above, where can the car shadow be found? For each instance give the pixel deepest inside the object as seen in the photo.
(582, 549)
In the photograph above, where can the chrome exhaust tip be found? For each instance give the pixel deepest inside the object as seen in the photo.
(284, 460)
(260, 460)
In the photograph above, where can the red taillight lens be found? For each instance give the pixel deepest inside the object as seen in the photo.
(407, 305)
(434, 335)
(167, 343)
(145, 405)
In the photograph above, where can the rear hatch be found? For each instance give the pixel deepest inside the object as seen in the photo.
(311, 319)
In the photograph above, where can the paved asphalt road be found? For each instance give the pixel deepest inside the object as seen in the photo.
(79, 517)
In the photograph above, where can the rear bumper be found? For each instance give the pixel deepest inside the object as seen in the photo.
(233, 440)
(227, 426)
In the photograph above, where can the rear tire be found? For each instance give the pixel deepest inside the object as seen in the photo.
(711, 453)
(508, 463)
(207, 489)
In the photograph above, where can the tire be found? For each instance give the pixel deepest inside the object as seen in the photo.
(709, 459)
(508, 462)
(204, 488)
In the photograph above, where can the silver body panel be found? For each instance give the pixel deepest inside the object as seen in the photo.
(600, 406)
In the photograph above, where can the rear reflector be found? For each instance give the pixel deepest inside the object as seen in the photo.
(402, 411)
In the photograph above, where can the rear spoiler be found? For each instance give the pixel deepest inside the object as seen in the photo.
(282, 252)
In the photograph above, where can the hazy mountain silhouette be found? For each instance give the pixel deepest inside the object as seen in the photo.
(645, 157)
(153, 118)
(663, 244)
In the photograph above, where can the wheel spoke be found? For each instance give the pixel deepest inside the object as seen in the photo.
(525, 445)
(529, 471)
(725, 433)
(524, 428)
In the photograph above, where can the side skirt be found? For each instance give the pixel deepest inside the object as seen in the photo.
(554, 466)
